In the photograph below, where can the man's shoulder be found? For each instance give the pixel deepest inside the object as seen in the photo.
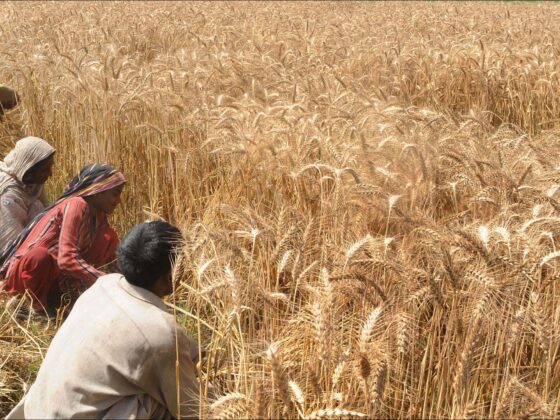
(106, 312)
(103, 285)
(144, 310)
(97, 316)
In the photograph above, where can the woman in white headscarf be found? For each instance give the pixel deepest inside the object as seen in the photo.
(22, 175)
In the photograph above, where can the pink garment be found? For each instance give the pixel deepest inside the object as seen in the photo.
(77, 241)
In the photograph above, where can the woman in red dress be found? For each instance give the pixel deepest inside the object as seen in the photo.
(65, 245)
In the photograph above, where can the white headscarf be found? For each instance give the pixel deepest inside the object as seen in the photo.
(28, 152)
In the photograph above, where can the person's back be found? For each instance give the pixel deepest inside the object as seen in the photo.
(114, 357)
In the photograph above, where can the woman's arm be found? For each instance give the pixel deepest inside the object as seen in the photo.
(74, 229)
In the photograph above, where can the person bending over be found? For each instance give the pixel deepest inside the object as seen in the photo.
(64, 246)
(8, 99)
(23, 172)
(116, 354)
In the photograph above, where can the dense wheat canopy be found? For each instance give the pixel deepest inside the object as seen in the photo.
(369, 192)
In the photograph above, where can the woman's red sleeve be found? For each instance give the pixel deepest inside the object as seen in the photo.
(73, 232)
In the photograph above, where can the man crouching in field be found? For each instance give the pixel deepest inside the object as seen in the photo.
(115, 355)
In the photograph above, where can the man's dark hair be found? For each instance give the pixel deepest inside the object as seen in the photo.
(147, 252)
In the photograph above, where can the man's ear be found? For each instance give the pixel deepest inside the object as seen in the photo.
(164, 285)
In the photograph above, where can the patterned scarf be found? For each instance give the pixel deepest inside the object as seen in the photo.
(92, 179)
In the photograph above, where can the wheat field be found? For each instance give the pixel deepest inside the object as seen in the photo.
(369, 192)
